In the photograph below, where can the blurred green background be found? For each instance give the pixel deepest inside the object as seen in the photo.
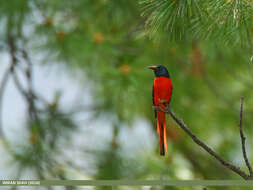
(104, 47)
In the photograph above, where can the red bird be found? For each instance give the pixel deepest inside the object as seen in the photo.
(162, 91)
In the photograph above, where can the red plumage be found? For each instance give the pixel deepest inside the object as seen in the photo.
(162, 91)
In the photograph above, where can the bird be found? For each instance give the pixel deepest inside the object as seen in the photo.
(161, 95)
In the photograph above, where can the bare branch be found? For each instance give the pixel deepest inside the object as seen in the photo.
(27, 94)
(13, 63)
(4, 81)
(18, 85)
(29, 76)
(202, 144)
(243, 139)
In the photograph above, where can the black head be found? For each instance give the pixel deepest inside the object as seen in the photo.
(160, 71)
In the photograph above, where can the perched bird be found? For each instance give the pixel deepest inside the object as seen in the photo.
(162, 91)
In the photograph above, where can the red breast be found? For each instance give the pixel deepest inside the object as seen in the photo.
(162, 90)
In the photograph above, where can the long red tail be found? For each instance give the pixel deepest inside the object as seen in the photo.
(161, 130)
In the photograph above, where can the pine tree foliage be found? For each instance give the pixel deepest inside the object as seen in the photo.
(226, 20)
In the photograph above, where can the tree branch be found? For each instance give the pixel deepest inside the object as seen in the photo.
(202, 144)
(27, 94)
(3, 84)
(243, 140)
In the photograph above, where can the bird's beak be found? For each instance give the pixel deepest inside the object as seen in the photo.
(152, 67)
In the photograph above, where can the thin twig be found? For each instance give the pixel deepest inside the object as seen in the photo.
(13, 63)
(202, 144)
(4, 81)
(27, 94)
(29, 76)
(30, 91)
(18, 85)
(243, 139)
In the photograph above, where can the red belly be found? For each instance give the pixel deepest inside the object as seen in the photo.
(162, 90)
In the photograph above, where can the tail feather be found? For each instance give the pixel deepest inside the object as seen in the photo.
(165, 137)
(158, 127)
(161, 130)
